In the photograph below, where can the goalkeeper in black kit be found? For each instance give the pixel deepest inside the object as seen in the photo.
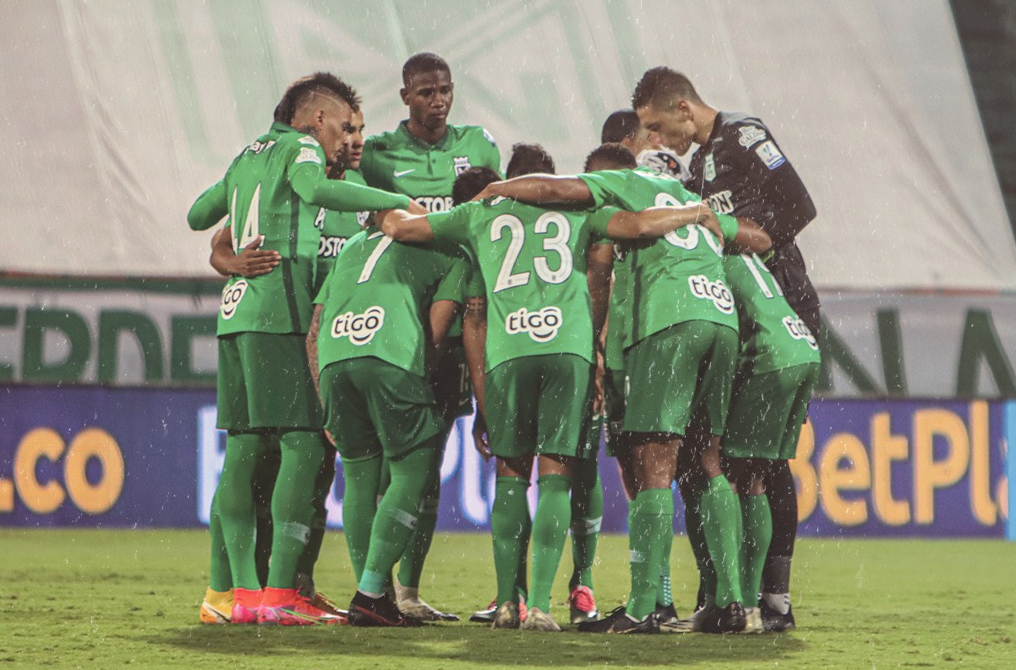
(739, 169)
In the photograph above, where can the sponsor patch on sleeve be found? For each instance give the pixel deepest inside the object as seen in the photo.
(308, 155)
(309, 141)
(750, 135)
(770, 155)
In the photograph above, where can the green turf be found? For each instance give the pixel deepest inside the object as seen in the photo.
(98, 599)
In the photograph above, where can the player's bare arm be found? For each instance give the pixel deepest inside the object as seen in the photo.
(599, 266)
(474, 341)
(251, 262)
(312, 348)
(541, 190)
(658, 221)
(750, 239)
(210, 208)
(402, 226)
(442, 315)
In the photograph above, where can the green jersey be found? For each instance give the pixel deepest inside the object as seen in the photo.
(533, 263)
(275, 189)
(620, 295)
(674, 279)
(377, 297)
(773, 337)
(336, 229)
(402, 163)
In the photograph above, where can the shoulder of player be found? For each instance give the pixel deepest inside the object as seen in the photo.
(472, 133)
(381, 142)
(741, 130)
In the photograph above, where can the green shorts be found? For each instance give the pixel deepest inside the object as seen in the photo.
(672, 372)
(373, 407)
(767, 411)
(540, 404)
(450, 382)
(264, 382)
(613, 404)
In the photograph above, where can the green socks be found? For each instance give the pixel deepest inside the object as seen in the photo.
(587, 515)
(411, 563)
(219, 576)
(652, 522)
(510, 529)
(721, 523)
(758, 532)
(359, 505)
(234, 498)
(322, 487)
(396, 518)
(550, 530)
(292, 510)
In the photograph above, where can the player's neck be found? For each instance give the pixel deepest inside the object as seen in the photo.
(425, 134)
(705, 121)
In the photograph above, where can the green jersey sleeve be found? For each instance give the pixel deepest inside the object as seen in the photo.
(605, 185)
(307, 176)
(598, 221)
(452, 226)
(209, 208)
(728, 225)
(453, 286)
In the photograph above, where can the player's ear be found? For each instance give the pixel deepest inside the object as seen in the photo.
(404, 92)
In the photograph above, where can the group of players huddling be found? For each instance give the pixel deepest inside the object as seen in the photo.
(376, 287)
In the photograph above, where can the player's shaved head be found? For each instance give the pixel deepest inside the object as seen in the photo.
(620, 125)
(610, 156)
(529, 159)
(469, 184)
(423, 62)
(317, 89)
(660, 87)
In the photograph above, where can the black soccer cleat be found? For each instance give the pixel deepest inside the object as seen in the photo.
(729, 619)
(666, 614)
(619, 623)
(773, 621)
(378, 612)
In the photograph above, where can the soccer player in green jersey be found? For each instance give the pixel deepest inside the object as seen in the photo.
(680, 340)
(372, 350)
(539, 357)
(272, 191)
(421, 159)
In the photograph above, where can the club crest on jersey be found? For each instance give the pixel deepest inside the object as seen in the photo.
(359, 328)
(799, 331)
(770, 155)
(716, 291)
(709, 168)
(541, 325)
(461, 164)
(750, 135)
(232, 294)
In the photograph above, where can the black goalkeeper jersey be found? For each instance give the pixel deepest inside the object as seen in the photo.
(741, 171)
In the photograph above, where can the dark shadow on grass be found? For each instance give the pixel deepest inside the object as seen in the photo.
(478, 646)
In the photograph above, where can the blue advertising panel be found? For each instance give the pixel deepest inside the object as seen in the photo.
(93, 456)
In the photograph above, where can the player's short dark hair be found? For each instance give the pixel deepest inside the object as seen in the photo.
(423, 62)
(324, 83)
(660, 86)
(471, 182)
(620, 125)
(617, 155)
(529, 159)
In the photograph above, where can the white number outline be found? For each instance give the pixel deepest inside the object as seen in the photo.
(251, 223)
(375, 256)
(757, 267)
(558, 244)
(505, 278)
(694, 231)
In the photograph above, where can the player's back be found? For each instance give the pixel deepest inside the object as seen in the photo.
(533, 264)
(375, 298)
(673, 279)
(773, 337)
(261, 201)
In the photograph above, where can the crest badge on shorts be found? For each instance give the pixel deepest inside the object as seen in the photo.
(461, 164)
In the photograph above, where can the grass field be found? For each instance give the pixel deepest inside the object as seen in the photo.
(99, 599)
